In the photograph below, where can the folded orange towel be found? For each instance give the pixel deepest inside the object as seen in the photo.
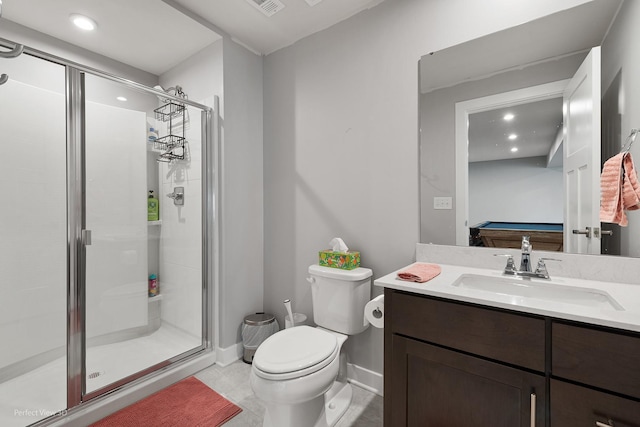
(419, 272)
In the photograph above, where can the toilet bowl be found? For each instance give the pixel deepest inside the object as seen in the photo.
(300, 373)
(292, 372)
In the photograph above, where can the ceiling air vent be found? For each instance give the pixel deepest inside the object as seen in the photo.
(268, 7)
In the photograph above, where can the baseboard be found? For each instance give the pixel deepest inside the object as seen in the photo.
(368, 380)
(226, 356)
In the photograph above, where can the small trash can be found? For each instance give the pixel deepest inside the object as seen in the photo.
(255, 329)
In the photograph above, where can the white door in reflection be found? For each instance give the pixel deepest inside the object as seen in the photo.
(581, 105)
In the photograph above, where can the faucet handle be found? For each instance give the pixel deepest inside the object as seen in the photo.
(541, 268)
(511, 265)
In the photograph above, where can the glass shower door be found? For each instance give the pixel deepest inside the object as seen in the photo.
(130, 332)
(33, 241)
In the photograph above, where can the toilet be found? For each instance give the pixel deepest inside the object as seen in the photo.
(300, 373)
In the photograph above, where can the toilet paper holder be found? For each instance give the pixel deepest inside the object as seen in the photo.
(374, 312)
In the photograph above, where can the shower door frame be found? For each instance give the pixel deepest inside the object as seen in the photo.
(77, 234)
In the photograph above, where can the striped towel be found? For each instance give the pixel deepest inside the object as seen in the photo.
(630, 185)
(620, 189)
(610, 186)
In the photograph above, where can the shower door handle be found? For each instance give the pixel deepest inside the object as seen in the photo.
(86, 237)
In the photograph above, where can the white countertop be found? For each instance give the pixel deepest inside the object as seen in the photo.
(627, 295)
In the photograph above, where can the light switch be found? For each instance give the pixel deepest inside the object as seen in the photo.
(442, 203)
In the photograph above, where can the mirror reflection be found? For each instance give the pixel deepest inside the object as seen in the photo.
(478, 167)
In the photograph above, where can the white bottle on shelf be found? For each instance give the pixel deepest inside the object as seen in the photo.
(152, 135)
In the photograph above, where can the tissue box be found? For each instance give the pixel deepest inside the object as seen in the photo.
(344, 260)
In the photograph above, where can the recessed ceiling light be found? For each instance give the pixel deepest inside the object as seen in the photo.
(121, 98)
(514, 149)
(513, 136)
(508, 117)
(83, 22)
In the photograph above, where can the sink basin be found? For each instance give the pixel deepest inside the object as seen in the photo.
(520, 291)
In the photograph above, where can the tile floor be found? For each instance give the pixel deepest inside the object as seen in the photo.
(232, 382)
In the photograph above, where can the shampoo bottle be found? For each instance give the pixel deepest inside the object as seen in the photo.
(153, 285)
(152, 135)
(153, 207)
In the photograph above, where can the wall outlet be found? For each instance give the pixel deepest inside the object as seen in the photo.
(442, 203)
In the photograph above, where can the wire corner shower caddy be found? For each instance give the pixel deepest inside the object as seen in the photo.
(172, 146)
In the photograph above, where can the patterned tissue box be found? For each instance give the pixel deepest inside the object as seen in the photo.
(344, 260)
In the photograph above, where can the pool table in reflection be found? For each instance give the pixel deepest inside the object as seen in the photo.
(543, 236)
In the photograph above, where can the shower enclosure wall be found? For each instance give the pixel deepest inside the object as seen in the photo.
(77, 249)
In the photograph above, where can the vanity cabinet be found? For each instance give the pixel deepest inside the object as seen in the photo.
(450, 364)
(456, 364)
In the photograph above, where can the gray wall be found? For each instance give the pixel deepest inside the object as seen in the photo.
(242, 239)
(437, 137)
(620, 55)
(341, 143)
(535, 192)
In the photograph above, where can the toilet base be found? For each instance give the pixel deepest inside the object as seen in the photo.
(337, 401)
(307, 414)
(323, 411)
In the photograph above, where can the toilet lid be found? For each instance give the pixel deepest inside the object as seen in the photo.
(294, 349)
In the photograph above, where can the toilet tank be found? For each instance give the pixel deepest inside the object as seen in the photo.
(339, 297)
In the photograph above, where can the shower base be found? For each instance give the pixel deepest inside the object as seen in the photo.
(35, 395)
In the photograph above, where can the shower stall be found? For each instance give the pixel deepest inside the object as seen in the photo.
(77, 248)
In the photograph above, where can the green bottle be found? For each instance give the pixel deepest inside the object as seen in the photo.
(153, 208)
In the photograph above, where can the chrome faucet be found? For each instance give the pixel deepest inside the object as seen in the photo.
(525, 263)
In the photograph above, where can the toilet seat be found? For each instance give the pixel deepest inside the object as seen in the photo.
(295, 352)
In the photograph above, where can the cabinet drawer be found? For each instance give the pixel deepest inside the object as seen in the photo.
(510, 338)
(572, 405)
(598, 358)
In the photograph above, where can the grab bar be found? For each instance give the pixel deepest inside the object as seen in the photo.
(13, 53)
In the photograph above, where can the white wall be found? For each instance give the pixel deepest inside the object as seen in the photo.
(341, 144)
(33, 270)
(620, 54)
(33, 266)
(534, 192)
(180, 266)
(116, 214)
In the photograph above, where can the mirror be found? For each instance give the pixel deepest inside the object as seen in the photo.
(540, 54)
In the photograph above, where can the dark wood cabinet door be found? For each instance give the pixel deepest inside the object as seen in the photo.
(573, 405)
(435, 387)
